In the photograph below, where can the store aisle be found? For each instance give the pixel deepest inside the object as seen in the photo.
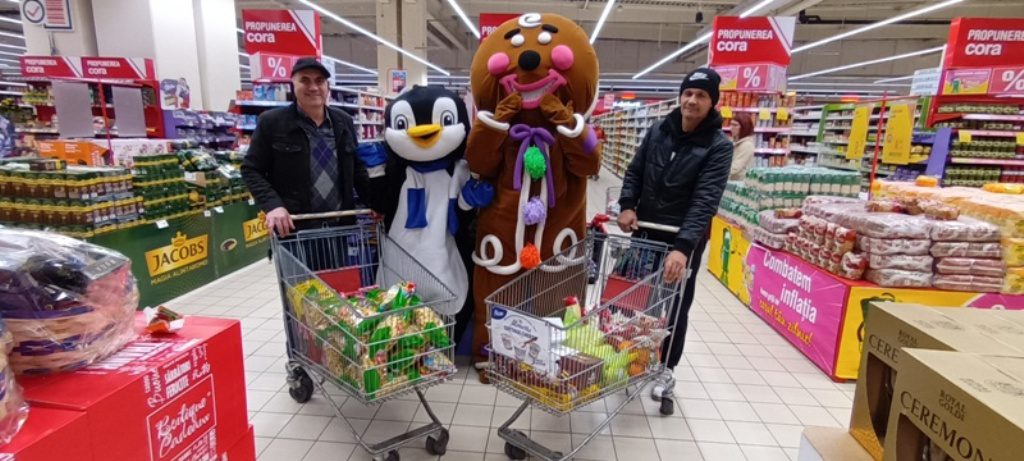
(743, 392)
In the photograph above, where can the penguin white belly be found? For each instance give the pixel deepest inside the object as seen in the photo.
(433, 246)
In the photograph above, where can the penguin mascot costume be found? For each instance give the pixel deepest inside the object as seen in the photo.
(428, 197)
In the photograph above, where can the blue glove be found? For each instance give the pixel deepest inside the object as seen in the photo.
(372, 154)
(477, 193)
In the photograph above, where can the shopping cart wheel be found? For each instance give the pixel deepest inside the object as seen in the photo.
(300, 385)
(514, 452)
(438, 446)
(667, 406)
(392, 456)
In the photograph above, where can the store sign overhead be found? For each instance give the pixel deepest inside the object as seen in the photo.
(284, 32)
(984, 56)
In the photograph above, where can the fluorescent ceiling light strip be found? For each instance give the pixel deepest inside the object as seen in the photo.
(465, 19)
(895, 79)
(600, 21)
(239, 29)
(698, 41)
(937, 49)
(10, 20)
(876, 25)
(354, 66)
(357, 28)
(8, 34)
(244, 66)
(689, 46)
(8, 53)
(16, 47)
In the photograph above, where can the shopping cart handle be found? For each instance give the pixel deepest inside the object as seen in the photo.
(657, 227)
(330, 214)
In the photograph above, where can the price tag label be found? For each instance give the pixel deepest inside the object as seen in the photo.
(252, 201)
(782, 114)
(219, 209)
(726, 112)
(764, 114)
(965, 136)
(190, 176)
(1020, 139)
(207, 213)
(161, 224)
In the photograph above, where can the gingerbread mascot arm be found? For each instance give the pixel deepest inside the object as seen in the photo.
(579, 141)
(483, 150)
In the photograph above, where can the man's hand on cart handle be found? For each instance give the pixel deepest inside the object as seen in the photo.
(280, 221)
(675, 266)
(628, 221)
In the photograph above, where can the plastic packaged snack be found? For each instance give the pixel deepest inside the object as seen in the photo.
(964, 230)
(67, 303)
(788, 213)
(886, 225)
(940, 211)
(770, 221)
(967, 249)
(895, 278)
(1013, 251)
(902, 262)
(1014, 282)
(884, 206)
(13, 408)
(881, 246)
(970, 266)
(853, 266)
(769, 239)
(968, 283)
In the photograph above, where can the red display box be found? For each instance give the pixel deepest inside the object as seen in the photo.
(242, 450)
(161, 398)
(50, 435)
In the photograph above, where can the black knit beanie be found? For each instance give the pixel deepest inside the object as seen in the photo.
(705, 79)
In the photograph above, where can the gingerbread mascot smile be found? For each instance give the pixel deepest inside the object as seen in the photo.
(534, 80)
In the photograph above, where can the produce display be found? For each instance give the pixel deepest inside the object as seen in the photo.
(74, 200)
(67, 303)
(600, 353)
(376, 342)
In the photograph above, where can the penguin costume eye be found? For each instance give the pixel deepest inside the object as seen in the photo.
(401, 123)
(447, 118)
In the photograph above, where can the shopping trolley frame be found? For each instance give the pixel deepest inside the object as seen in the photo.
(306, 375)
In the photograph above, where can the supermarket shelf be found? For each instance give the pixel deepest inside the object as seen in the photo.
(754, 109)
(992, 133)
(247, 127)
(771, 151)
(803, 150)
(37, 130)
(261, 103)
(987, 161)
(993, 117)
(838, 128)
(765, 129)
(804, 133)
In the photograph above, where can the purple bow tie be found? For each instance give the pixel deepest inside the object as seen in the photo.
(541, 138)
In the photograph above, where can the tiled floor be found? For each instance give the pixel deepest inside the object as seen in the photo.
(743, 394)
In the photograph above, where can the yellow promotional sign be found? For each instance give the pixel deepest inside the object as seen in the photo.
(182, 252)
(899, 132)
(860, 300)
(858, 133)
(727, 254)
(782, 114)
(964, 136)
(764, 114)
(1020, 139)
(726, 112)
(256, 228)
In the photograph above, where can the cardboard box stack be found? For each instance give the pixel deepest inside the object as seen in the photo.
(895, 334)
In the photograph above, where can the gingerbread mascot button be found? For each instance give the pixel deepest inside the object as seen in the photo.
(534, 81)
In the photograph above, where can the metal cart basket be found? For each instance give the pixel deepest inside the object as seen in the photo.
(563, 337)
(374, 351)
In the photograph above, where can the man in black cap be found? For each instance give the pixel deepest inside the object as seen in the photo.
(677, 178)
(302, 158)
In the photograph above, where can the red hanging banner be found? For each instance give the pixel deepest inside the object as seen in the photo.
(288, 32)
(760, 39)
(490, 21)
(984, 56)
(51, 67)
(118, 68)
(269, 67)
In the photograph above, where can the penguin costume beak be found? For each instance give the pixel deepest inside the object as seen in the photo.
(425, 136)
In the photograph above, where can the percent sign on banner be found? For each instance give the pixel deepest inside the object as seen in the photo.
(752, 77)
(273, 67)
(1008, 80)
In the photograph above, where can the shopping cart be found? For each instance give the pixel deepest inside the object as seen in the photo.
(335, 333)
(561, 339)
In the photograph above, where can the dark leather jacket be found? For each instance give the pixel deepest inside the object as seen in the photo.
(276, 169)
(678, 178)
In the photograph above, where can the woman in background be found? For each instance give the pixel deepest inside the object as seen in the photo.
(742, 130)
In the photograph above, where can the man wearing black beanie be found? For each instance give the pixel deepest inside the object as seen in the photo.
(677, 178)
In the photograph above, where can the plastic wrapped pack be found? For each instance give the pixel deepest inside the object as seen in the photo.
(770, 222)
(886, 225)
(880, 246)
(895, 278)
(902, 262)
(964, 230)
(67, 303)
(1014, 282)
(13, 408)
(769, 239)
(830, 207)
(972, 283)
(853, 265)
(1013, 251)
(970, 266)
(967, 249)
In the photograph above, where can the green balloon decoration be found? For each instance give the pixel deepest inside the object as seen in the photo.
(535, 163)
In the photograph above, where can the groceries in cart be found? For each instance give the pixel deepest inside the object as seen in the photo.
(380, 341)
(597, 352)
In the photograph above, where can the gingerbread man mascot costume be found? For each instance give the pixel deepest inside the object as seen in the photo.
(533, 80)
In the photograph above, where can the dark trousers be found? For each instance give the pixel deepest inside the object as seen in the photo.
(672, 349)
